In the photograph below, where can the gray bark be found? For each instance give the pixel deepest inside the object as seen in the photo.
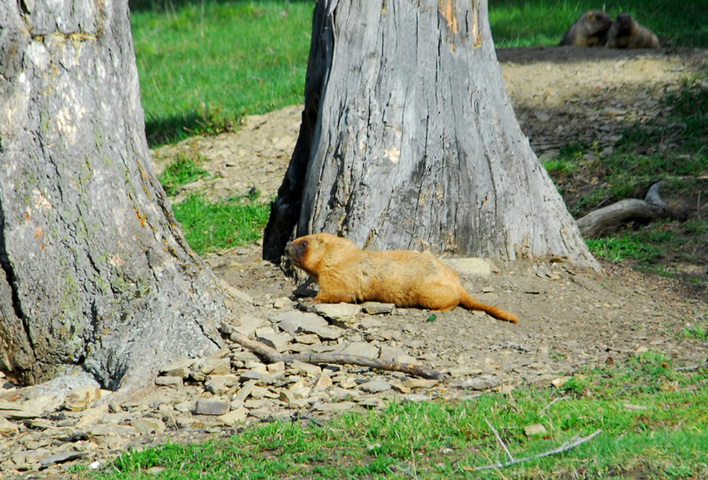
(608, 219)
(409, 140)
(95, 274)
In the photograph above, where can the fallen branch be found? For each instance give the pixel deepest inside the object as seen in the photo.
(692, 368)
(511, 457)
(273, 356)
(563, 448)
(613, 216)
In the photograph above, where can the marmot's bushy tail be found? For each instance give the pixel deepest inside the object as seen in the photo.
(470, 303)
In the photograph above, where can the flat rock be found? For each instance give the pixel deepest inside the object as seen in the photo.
(298, 322)
(330, 332)
(476, 267)
(170, 381)
(392, 354)
(7, 428)
(61, 458)
(146, 426)
(211, 407)
(248, 324)
(235, 416)
(277, 341)
(337, 311)
(375, 386)
(81, 398)
(376, 308)
(362, 349)
(180, 368)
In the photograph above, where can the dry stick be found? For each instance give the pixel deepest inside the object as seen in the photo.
(563, 448)
(511, 457)
(692, 367)
(273, 356)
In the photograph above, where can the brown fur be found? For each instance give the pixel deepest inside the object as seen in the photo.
(590, 30)
(345, 273)
(626, 32)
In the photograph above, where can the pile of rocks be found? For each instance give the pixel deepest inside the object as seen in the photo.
(45, 428)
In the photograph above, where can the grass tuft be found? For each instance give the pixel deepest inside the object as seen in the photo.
(211, 227)
(181, 171)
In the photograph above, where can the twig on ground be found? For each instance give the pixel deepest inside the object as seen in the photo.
(543, 410)
(274, 356)
(501, 442)
(563, 448)
(692, 368)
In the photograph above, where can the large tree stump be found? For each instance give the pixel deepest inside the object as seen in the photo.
(408, 140)
(95, 274)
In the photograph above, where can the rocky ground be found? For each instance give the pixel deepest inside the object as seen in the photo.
(570, 318)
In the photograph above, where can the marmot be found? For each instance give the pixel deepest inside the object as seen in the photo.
(590, 30)
(626, 32)
(346, 273)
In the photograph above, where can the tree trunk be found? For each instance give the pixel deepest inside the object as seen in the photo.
(95, 274)
(409, 140)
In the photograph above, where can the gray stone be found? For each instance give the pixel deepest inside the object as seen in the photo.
(362, 349)
(81, 398)
(376, 308)
(375, 386)
(391, 354)
(333, 407)
(282, 302)
(306, 369)
(180, 368)
(248, 324)
(146, 426)
(235, 416)
(220, 384)
(169, 381)
(337, 311)
(7, 428)
(235, 293)
(477, 267)
(298, 322)
(277, 341)
(211, 407)
(244, 392)
(329, 332)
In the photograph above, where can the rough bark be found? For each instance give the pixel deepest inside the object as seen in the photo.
(95, 274)
(409, 140)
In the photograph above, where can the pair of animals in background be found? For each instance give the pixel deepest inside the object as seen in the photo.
(346, 273)
(596, 29)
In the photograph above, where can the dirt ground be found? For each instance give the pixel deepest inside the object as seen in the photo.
(569, 317)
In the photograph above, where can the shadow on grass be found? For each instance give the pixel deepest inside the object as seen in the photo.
(165, 130)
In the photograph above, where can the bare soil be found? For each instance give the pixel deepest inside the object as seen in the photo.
(569, 317)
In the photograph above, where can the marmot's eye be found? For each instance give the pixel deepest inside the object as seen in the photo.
(304, 244)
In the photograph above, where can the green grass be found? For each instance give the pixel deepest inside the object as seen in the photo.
(517, 23)
(181, 171)
(654, 423)
(211, 226)
(203, 65)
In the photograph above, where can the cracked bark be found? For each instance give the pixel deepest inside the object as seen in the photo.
(423, 115)
(96, 275)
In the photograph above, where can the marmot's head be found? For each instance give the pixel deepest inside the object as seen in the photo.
(311, 252)
(626, 24)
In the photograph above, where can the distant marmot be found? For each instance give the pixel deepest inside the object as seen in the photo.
(346, 273)
(590, 30)
(626, 32)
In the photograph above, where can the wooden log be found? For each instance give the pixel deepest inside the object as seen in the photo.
(612, 217)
